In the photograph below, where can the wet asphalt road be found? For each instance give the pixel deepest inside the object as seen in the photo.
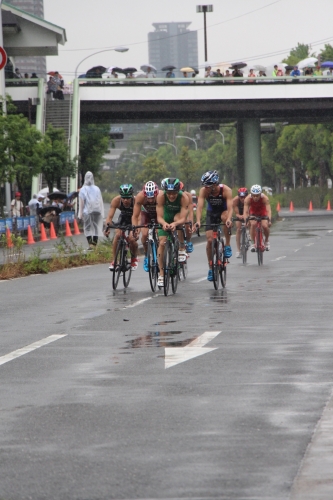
(96, 415)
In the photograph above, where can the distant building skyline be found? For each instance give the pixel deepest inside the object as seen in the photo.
(173, 44)
(30, 64)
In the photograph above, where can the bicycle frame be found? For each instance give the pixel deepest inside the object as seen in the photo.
(244, 239)
(152, 246)
(121, 263)
(183, 265)
(259, 240)
(219, 261)
(170, 261)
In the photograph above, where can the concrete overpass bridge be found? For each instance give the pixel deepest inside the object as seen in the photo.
(249, 103)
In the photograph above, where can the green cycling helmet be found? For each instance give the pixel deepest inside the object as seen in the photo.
(126, 191)
(172, 184)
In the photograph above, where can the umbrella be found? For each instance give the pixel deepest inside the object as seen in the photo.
(259, 67)
(95, 72)
(168, 68)
(327, 64)
(309, 61)
(82, 76)
(72, 195)
(129, 70)
(289, 67)
(145, 67)
(186, 69)
(48, 210)
(116, 69)
(52, 73)
(57, 195)
(45, 191)
(238, 65)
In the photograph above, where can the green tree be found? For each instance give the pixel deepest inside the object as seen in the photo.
(188, 169)
(153, 170)
(56, 161)
(94, 144)
(302, 51)
(326, 54)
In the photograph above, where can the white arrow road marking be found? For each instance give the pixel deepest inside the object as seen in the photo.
(309, 244)
(29, 348)
(176, 355)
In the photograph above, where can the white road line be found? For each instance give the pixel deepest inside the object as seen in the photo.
(199, 280)
(279, 258)
(139, 302)
(297, 250)
(330, 231)
(309, 244)
(29, 348)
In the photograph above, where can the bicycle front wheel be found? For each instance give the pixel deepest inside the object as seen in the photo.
(117, 265)
(167, 265)
(175, 270)
(215, 264)
(152, 265)
(223, 266)
(244, 246)
(259, 244)
(127, 269)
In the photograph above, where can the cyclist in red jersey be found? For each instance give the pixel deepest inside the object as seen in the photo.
(144, 212)
(258, 204)
(238, 206)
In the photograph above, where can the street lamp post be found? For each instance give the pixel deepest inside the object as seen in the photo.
(190, 138)
(150, 147)
(141, 154)
(170, 144)
(204, 9)
(117, 49)
(222, 136)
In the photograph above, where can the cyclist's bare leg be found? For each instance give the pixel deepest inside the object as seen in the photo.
(144, 239)
(180, 234)
(209, 237)
(115, 241)
(224, 217)
(161, 246)
(133, 244)
(252, 230)
(265, 229)
(238, 234)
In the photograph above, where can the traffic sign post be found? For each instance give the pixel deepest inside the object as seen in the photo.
(3, 58)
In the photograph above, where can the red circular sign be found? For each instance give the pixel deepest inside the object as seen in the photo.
(3, 56)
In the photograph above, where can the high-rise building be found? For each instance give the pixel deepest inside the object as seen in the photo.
(173, 44)
(30, 64)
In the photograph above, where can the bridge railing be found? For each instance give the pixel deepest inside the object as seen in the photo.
(22, 82)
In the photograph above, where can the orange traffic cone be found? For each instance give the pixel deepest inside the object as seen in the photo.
(278, 208)
(328, 205)
(30, 239)
(291, 208)
(43, 233)
(53, 235)
(76, 228)
(68, 229)
(10, 244)
(310, 206)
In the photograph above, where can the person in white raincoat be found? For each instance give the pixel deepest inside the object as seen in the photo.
(91, 210)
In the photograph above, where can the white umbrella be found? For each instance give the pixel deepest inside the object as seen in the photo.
(259, 67)
(45, 191)
(145, 67)
(309, 61)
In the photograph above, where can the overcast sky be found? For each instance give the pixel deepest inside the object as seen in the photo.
(253, 31)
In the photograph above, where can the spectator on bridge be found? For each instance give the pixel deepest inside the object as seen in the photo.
(279, 72)
(227, 74)
(26, 76)
(17, 73)
(329, 72)
(33, 75)
(295, 72)
(218, 73)
(237, 72)
(251, 74)
(170, 74)
(275, 70)
(318, 71)
(150, 73)
(208, 72)
(91, 210)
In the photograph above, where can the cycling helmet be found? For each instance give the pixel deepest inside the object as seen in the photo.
(150, 189)
(181, 184)
(256, 189)
(172, 184)
(210, 178)
(242, 192)
(126, 191)
(163, 183)
(193, 191)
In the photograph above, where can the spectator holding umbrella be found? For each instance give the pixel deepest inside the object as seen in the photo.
(91, 210)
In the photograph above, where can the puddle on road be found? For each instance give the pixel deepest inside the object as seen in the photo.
(166, 322)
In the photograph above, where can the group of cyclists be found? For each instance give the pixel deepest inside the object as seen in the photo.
(172, 206)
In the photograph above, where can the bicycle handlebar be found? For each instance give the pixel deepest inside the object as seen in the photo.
(258, 218)
(213, 224)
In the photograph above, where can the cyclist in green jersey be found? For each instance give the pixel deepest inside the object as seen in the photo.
(172, 208)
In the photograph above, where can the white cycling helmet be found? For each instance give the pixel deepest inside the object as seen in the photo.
(193, 192)
(256, 189)
(150, 189)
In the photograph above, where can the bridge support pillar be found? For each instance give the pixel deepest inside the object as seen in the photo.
(75, 137)
(249, 152)
(39, 126)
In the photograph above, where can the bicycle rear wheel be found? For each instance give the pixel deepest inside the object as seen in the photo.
(152, 265)
(167, 265)
(223, 265)
(244, 246)
(117, 265)
(215, 265)
(175, 269)
(127, 269)
(183, 270)
(259, 245)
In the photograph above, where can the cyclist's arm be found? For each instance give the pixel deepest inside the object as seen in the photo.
(160, 210)
(228, 197)
(246, 208)
(236, 208)
(190, 207)
(115, 203)
(182, 213)
(268, 209)
(136, 217)
(200, 205)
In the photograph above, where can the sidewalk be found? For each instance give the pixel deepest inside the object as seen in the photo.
(304, 212)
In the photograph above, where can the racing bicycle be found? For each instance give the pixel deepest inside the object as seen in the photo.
(244, 239)
(122, 257)
(219, 260)
(259, 238)
(152, 249)
(183, 268)
(170, 262)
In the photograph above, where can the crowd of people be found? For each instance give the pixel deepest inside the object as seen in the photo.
(171, 206)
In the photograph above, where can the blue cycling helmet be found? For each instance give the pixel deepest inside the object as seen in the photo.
(126, 191)
(210, 178)
(172, 184)
(256, 189)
